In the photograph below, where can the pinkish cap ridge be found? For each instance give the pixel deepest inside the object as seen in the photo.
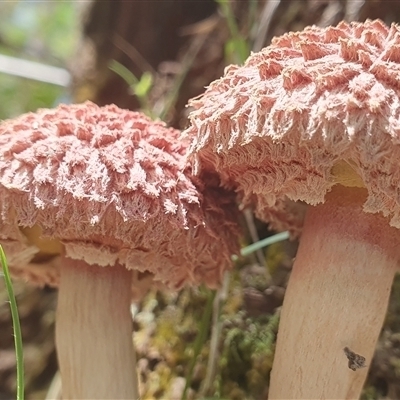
(274, 128)
(113, 187)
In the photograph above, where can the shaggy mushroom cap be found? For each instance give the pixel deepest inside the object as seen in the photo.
(108, 186)
(314, 109)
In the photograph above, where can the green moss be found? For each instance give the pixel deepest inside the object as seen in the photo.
(248, 353)
(369, 393)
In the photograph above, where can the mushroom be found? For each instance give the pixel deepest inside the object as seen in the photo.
(90, 196)
(313, 120)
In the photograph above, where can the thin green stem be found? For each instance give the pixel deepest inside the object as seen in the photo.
(206, 319)
(186, 63)
(200, 339)
(134, 84)
(16, 326)
(230, 18)
(216, 329)
(263, 243)
(123, 72)
(240, 44)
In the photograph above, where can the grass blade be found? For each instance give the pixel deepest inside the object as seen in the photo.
(16, 326)
(264, 243)
(200, 339)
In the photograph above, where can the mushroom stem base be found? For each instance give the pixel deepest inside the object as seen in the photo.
(94, 332)
(337, 297)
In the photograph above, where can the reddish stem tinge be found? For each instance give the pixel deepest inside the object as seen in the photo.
(337, 297)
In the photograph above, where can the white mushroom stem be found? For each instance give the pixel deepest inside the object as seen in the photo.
(337, 297)
(94, 332)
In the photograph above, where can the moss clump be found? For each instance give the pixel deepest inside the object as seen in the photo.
(248, 353)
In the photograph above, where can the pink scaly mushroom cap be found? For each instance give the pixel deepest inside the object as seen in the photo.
(114, 188)
(278, 126)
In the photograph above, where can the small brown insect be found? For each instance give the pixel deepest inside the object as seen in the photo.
(355, 360)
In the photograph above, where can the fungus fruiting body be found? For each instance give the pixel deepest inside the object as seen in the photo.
(313, 120)
(88, 196)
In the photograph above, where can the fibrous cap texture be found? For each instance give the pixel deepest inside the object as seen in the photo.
(314, 101)
(114, 188)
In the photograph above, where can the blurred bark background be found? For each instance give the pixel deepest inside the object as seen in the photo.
(158, 37)
(182, 44)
